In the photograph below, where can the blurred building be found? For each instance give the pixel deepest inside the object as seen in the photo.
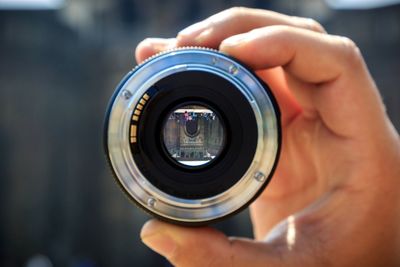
(58, 68)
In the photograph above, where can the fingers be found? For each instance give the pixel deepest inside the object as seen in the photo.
(312, 57)
(328, 74)
(186, 246)
(204, 247)
(211, 31)
(311, 61)
(274, 77)
(151, 46)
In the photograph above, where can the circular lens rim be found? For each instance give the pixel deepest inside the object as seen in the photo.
(135, 185)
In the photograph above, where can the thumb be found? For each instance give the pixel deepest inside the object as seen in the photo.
(204, 246)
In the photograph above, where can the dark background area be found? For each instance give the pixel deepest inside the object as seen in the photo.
(59, 205)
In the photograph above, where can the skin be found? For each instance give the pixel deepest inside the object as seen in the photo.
(335, 197)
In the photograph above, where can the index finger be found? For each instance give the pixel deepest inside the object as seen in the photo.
(211, 31)
(341, 91)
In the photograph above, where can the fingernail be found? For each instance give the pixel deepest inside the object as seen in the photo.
(236, 40)
(193, 29)
(162, 43)
(157, 240)
(155, 40)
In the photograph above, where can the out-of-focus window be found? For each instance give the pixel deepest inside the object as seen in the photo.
(360, 4)
(31, 4)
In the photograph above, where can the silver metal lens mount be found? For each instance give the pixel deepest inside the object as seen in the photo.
(192, 135)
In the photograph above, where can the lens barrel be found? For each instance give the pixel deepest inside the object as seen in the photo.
(192, 135)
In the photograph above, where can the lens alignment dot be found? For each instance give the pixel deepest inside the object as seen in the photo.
(193, 135)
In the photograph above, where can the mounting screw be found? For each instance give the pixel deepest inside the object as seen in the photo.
(151, 202)
(233, 69)
(126, 94)
(259, 176)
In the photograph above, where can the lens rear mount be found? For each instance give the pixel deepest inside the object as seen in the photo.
(192, 135)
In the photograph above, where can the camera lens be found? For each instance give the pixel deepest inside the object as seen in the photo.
(192, 136)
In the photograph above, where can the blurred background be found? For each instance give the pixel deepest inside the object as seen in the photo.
(59, 64)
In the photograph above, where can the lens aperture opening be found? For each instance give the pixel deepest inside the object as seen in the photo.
(193, 135)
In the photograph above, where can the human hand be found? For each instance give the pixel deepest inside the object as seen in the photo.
(334, 199)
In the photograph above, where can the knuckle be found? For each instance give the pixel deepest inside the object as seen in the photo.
(309, 23)
(351, 52)
(315, 26)
(234, 13)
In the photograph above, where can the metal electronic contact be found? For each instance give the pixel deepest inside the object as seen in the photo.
(132, 136)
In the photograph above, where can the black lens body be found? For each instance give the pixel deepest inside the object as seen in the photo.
(203, 182)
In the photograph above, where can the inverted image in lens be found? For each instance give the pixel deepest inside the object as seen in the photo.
(193, 135)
